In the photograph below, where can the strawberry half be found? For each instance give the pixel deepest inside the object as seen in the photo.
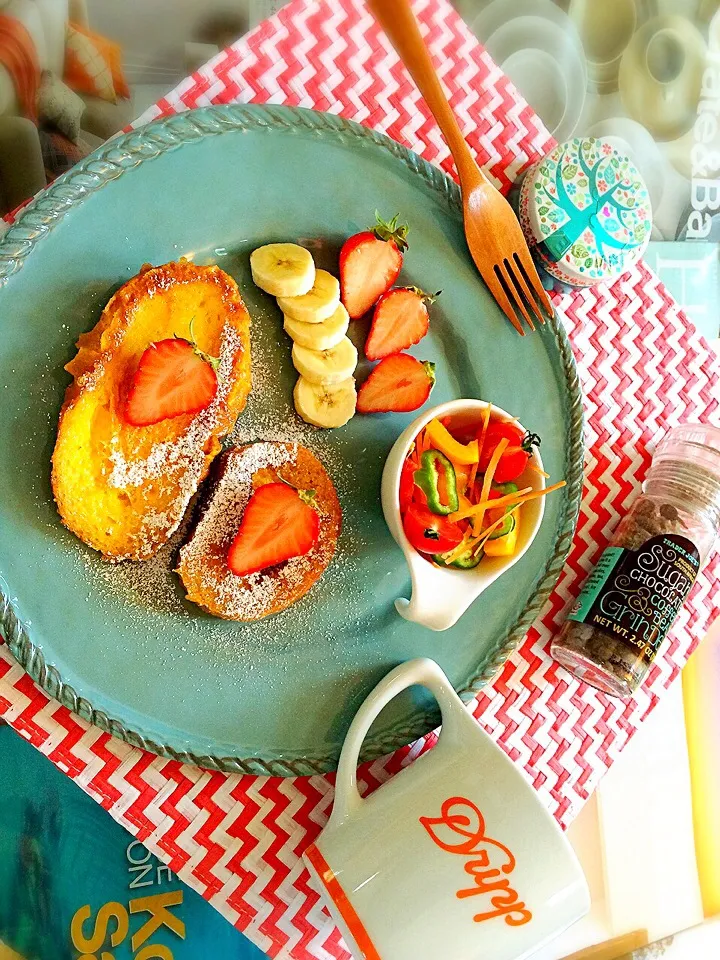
(278, 524)
(398, 383)
(172, 378)
(370, 263)
(401, 319)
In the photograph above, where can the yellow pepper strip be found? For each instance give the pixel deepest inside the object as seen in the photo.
(507, 501)
(444, 441)
(487, 482)
(518, 498)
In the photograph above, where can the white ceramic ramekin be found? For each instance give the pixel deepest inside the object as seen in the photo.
(440, 597)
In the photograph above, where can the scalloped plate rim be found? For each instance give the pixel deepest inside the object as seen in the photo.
(170, 133)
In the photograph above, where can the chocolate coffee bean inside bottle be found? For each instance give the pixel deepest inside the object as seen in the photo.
(628, 604)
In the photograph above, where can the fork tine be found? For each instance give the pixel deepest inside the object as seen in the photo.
(520, 279)
(506, 270)
(529, 271)
(501, 298)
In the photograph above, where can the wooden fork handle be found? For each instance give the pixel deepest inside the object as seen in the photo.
(397, 20)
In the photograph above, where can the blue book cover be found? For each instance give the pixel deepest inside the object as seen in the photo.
(74, 885)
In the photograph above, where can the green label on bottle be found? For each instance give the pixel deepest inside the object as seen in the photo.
(633, 596)
(595, 582)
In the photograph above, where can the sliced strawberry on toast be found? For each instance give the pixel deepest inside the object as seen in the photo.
(400, 320)
(397, 384)
(124, 489)
(278, 524)
(370, 263)
(237, 478)
(172, 378)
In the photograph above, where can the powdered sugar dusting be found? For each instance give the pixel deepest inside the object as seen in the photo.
(188, 450)
(149, 594)
(147, 586)
(222, 518)
(252, 596)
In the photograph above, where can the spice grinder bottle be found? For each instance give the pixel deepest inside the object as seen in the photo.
(629, 602)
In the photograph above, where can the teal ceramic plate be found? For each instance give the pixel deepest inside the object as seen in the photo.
(118, 644)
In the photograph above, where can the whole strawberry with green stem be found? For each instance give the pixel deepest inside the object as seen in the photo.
(370, 263)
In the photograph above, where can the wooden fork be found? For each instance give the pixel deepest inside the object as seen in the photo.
(493, 234)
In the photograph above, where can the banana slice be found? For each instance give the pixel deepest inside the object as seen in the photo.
(283, 269)
(326, 366)
(319, 336)
(318, 304)
(325, 405)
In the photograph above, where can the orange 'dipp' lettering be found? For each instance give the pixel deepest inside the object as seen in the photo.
(460, 829)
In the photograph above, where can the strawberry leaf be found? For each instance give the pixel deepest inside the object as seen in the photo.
(425, 297)
(213, 361)
(307, 496)
(392, 231)
(430, 370)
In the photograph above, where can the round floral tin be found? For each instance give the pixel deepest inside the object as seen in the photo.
(585, 212)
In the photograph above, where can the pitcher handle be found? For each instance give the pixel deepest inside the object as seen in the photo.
(422, 671)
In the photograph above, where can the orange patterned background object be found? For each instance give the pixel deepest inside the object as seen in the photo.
(93, 65)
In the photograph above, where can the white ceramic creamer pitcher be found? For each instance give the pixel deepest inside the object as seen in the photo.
(455, 858)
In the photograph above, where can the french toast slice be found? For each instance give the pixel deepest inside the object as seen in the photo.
(124, 489)
(203, 565)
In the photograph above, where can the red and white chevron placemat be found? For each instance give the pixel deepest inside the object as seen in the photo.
(237, 840)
